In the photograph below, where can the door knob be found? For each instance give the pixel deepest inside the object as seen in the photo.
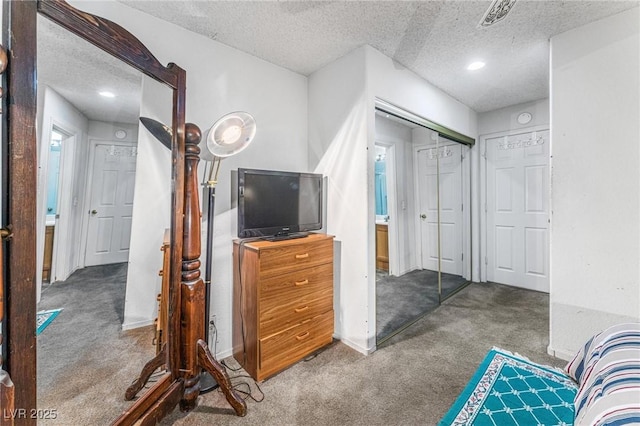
(94, 212)
(423, 216)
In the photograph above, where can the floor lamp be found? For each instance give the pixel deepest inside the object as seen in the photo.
(228, 136)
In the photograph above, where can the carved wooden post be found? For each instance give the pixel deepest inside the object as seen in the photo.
(192, 287)
(195, 353)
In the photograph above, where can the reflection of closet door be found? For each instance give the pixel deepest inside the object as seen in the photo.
(450, 193)
(112, 187)
(518, 210)
(451, 208)
(428, 202)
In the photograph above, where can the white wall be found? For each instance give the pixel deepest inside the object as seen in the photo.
(338, 149)
(389, 81)
(221, 79)
(342, 146)
(506, 119)
(595, 234)
(57, 111)
(151, 213)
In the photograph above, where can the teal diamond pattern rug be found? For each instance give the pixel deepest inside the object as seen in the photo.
(44, 318)
(511, 390)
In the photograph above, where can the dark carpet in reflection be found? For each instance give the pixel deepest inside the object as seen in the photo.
(402, 300)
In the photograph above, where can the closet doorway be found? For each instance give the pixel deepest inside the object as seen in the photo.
(422, 198)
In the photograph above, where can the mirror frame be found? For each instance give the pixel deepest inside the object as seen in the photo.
(19, 200)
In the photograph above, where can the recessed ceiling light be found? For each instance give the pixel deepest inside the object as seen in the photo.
(475, 65)
(107, 94)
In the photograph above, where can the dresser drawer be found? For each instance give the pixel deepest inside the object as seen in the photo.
(279, 260)
(283, 349)
(296, 284)
(276, 316)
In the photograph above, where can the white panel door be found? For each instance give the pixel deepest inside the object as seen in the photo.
(111, 206)
(428, 203)
(518, 210)
(450, 194)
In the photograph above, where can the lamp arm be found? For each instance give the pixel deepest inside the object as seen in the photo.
(214, 169)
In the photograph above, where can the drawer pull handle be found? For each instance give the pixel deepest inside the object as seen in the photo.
(304, 308)
(303, 335)
(303, 282)
(302, 256)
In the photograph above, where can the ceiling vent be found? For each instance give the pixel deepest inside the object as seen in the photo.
(496, 12)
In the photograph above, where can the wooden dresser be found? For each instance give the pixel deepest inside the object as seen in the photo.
(282, 301)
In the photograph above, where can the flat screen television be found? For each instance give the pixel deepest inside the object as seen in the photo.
(276, 204)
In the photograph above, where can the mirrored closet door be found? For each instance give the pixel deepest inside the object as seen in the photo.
(423, 222)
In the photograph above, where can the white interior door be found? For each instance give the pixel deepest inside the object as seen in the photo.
(428, 206)
(450, 192)
(451, 247)
(518, 210)
(111, 203)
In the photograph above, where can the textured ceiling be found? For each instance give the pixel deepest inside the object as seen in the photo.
(435, 39)
(77, 71)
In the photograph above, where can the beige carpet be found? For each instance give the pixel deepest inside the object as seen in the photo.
(412, 379)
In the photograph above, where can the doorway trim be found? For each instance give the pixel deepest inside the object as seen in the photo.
(392, 204)
(66, 179)
(484, 251)
(61, 266)
(409, 116)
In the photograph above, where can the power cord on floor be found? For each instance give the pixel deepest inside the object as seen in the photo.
(248, 394)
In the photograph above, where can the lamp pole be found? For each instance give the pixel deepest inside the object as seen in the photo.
(208, 382)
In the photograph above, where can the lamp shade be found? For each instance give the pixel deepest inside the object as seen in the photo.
(229, 135)
(160, 131)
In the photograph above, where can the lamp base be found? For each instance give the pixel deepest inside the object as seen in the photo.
(207, 383)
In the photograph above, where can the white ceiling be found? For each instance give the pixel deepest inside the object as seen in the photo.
(434, 39)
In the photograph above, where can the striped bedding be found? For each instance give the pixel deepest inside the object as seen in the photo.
(607, 369)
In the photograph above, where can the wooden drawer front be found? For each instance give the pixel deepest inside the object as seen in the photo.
(283, 349)
(277, 316)
(282, 259)
(296, 284)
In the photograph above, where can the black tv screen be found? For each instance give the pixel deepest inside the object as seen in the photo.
(278, 204)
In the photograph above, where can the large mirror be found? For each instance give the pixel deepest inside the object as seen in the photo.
(103, 211)
(422, 219)
(108, 197)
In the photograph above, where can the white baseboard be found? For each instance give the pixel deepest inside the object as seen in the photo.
(137, 324)
(224, 354)
(565, 355)
(357, 347)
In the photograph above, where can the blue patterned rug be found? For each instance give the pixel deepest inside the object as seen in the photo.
(44, 318)
(510, 390)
